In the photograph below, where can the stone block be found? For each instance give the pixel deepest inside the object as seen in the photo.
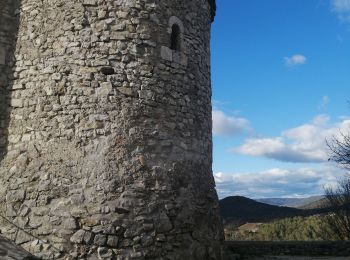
(112, 241)
(16, 102)
(2, 56)
(88, 237)
(78, 237)
(166, 53)
(100, 240)
(163, 223)
(104, 253)
(15, 196)
(104, 89)
(90, 2)
(70, 223)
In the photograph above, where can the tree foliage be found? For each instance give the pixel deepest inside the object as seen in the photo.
(339, 198)
(340, 150)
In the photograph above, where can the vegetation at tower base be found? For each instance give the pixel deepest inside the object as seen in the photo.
(108, 142)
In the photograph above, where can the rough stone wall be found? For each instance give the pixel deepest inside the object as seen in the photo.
(109, 138)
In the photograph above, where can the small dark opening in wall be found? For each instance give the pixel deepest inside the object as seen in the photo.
(175, 38)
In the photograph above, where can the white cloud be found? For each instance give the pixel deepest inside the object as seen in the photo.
(295, 60)
(341, 5)
(305, 143)
(342, 9)
(278, 182)
(228, 125)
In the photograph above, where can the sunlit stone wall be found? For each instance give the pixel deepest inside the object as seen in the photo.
(108, 138)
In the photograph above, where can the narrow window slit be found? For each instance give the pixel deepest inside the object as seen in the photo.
(175, 38)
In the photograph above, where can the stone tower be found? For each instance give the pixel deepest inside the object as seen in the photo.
(105, 126)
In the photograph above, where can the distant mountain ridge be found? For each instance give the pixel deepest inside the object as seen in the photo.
(291, 202)
(318, 204)
(248, 210)
(240, 210)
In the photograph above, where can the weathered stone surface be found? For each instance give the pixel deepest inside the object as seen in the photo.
(70, 223)
(100, 240)
(112, 241)
(78, 237)
(166, 53)
(2, 55)
(163, 223)
(15, 196)
(88, 237)
(104, 253)
(105, 129)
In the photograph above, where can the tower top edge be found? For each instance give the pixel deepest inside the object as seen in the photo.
(212, 4)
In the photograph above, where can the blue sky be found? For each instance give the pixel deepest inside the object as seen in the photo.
(280, 74)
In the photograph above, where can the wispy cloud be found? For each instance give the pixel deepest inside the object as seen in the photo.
(305, 143)
(324, 103)
(342, 9)
(278, 182)
(226, 125)
(295, 60)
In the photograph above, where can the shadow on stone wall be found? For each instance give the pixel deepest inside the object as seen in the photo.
(9, 22)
